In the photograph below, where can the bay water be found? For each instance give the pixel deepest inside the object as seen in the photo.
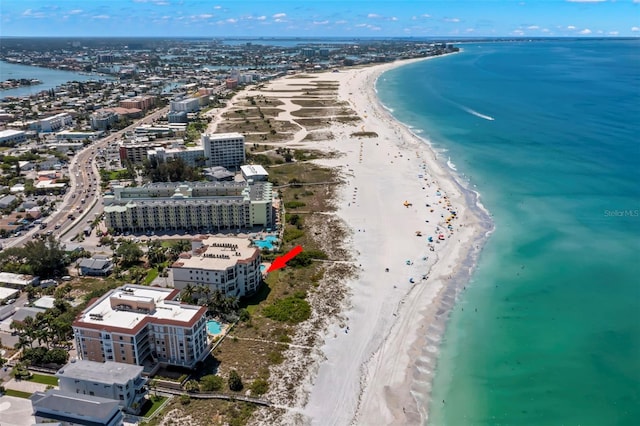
(548, 331)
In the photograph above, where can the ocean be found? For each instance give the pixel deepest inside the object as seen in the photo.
(50, 78)
(548, 331)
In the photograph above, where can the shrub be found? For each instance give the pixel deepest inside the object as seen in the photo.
(185, 399)
(291, 234)
(292, 309)
(235, 382)
(294, 204)
(210, 383)
(259, 387)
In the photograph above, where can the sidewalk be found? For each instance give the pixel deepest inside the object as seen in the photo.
(25, 386)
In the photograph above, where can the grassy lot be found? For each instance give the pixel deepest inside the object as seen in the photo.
(44, 379)
(152, 406)
(207, 412)
(151, 275)
(16, 393)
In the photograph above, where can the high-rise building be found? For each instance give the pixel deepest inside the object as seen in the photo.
(144, 326)
(229, 265)
(224, 149)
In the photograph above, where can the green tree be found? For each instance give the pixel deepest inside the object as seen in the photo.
(129, 253)
(192, 386)
(259, 387)
(234, 381)
(211, 383)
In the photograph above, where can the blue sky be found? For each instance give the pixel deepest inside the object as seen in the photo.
(339, 18)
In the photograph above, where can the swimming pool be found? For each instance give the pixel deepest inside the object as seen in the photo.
(266, 243)
(213, 327)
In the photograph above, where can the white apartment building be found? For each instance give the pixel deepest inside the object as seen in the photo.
(54, 123)
(224, 149)
(12, 136)
(186, 105)
(112, 380)
(191, 156)
(142, 326)
(230, 265)
(191, 206)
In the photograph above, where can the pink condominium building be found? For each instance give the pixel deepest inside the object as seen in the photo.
(143, 326)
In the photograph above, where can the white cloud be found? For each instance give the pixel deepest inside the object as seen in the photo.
(27, 12)
(101, 17)
(586, 1)
(518, 32)
(217, 7)
(614, 33)
(75, 11)
(325, 22)
(585, 31)
(470, 30)
(373, 16)
(204, 16)
(533, 27)
(232, 21)
(261, 18)
(635, 29)
(393, 18)
(571, 27)
(451, 19)
(546, 30)
(341, 22)
(425, 15)
(279, 16)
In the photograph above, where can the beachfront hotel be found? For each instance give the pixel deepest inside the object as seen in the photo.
(144, 326)
(190, 206)
(229, 265)
(224, 149)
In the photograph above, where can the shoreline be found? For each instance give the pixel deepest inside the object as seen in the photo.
(390, 379)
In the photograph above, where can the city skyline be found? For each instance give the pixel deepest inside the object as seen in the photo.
(259, 18)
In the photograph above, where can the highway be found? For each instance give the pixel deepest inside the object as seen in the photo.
(82, 201)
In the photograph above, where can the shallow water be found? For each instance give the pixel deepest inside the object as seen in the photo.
(547, 133)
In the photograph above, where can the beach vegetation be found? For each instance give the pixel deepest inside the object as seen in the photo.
(291, 234)
(259, 387)
(292, 309)
(234, 381)
(211, 383)
(294, 204)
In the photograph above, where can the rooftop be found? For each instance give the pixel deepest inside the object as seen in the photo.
(216, 253)
(254, 170)
(100, 372)
(70, 405)
(126, 307)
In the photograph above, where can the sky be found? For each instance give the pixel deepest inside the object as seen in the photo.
(313, 18)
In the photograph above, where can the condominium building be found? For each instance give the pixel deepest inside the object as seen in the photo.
(112, 380)
(224, 149)
(136, 152)
(230, 265)
(143, 326)
(186, 105)
(191, 156)
(53, 123)
(140, 102)
(191, 206)
(103, 119)
(12, 137)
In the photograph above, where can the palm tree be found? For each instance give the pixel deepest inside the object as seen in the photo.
(187, 293)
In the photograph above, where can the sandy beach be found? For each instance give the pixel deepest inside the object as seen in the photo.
(397, 194)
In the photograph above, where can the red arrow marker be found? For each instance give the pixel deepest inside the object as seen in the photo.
(281, 261)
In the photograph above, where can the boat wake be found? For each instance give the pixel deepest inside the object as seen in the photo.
(476, 113)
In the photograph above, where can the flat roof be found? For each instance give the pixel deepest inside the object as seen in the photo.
(10, 132)
(254, 170)
(217, 253)
(101, 313)
(5, 292)
(233, 135)
(100, 372)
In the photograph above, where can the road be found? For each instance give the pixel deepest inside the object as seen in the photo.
(83, 199)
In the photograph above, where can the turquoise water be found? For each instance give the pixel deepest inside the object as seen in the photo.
(547, 132)
(266, 243)
(50, 78)
(213, 327)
